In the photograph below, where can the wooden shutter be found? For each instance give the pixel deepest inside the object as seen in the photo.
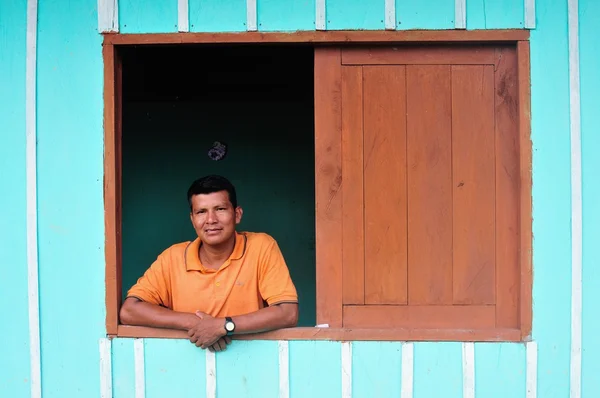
(418, 217)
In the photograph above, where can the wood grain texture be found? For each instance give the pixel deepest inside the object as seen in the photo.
(507, 190)
(421, 55)
(429, 112)
(344, 334)
(385, 184)
(466, 36)
(328, 184)
(110, 191)
(352, 188)
(524, 87)
(417, 316)
(473, 183)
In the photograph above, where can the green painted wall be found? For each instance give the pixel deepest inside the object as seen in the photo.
(267, 122)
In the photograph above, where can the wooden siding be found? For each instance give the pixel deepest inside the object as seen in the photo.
(71, 236)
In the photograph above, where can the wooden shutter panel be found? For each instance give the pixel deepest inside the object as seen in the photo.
(430, 188)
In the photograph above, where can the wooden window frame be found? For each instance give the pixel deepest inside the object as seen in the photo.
(327, 177)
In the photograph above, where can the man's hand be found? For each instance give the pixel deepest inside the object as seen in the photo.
(209, 333)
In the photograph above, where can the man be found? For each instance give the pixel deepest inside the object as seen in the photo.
(216, 285)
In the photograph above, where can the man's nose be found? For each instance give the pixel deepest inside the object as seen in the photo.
(211, 217)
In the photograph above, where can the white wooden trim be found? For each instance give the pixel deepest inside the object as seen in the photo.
(531, 371)
(211, 375)
(468, 370)
(406, 386)
(346, 369)
(390, 14)
(284, 369)
(31, 199)
(105, 368)
(576, 201)
(183, 18)
(251, 17)
(320, 17)
(529, 14)
(140, 368)
(460, 14)
(108, 16)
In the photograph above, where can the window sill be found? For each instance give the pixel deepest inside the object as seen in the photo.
(308, 333)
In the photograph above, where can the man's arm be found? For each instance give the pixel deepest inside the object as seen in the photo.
(284, 315)
(205, 333)
(139, 313)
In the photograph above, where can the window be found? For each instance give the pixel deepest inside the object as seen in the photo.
(422, 191)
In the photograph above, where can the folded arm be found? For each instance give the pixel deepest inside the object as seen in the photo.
(139, 313)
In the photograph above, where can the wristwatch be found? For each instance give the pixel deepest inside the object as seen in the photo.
(229, 326)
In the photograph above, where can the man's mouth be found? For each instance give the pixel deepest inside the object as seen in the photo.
(212, 230)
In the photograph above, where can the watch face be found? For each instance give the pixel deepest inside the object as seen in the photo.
(229, 326)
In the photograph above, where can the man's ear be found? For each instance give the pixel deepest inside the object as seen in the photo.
(238, 214)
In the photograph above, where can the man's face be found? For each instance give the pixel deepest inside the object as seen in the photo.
(214, 217)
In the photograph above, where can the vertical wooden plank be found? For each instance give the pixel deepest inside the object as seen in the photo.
(390, 14)
(438, 370)
(328, 183)
(315, 369)
(355, 14)
(429, 112)
(108, 16)
(432, 14)
(320, 17)
(106, 389)
(576, 204)
(15, 360)
(383, 380)
(218, 15)
(551, 192)
(123, 368)
(282, 16)
(284, 368)
(31, 178)
(526, 240)
(507, 190)
(69, 191)
(529, 14)
(251, 18)
(156, 16)
(385, 184)
(589, 51)
(183, 19)
(460, 14)
(248, 369)
(500, 370)
(110, 194)
(473, 185)
(353, 239)
(495, 14)
(175, 368)
(346, 369)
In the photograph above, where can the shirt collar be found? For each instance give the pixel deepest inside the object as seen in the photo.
(192, 257)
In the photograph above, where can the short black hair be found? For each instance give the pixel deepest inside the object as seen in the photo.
(210, 184)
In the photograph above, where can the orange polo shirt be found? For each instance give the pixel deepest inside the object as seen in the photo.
(255, 271)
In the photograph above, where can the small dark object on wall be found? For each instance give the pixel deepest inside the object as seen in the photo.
(218, 151)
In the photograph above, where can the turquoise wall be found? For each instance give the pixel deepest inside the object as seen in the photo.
(71, 215)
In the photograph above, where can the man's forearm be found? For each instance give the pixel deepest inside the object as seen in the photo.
(269, 318)
(139, 313)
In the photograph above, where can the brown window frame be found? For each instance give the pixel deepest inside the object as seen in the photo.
(327, 175)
